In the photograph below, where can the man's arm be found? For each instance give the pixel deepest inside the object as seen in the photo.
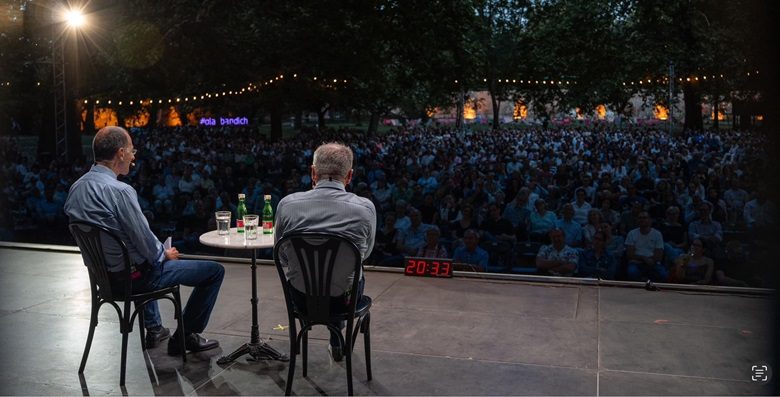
(136, 227)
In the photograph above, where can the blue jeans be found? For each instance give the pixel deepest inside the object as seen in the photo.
(639, 271)
(205, 276)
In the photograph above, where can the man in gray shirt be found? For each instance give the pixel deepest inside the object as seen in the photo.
(99, 198)
(329, 208)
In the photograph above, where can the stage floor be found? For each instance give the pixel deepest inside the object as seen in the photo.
(457, 336)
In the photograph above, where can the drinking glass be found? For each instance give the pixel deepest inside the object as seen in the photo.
(223, 222)
(250, 226)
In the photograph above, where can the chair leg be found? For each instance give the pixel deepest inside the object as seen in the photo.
(141, 329)
(124, 358)
(305, 355)
(291, 366)
(92, 325)
(366, 328)
(348, 350)
(180, 322)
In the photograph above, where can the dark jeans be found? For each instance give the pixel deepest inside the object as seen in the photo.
(338, 304)
(206, 278)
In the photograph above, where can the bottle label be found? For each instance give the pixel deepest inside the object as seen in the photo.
(268, 227)
(240, 225)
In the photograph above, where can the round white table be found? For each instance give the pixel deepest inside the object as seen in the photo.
(256, 348)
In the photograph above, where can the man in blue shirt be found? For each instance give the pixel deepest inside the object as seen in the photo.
(328, 208)
(470, 252)
(99, 198)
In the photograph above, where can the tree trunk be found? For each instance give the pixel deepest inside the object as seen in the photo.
(715, 101)
(276, 122)
(460, 108)
(373, 123)
(321, 117)
(692, 97)
(298, 120)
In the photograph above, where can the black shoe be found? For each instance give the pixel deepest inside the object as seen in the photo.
(193, 342)
(154, 337)
(336, 353)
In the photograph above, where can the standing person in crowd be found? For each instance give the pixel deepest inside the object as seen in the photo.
(557, 258)
(99, 198)
(645, 251)
(328, 208)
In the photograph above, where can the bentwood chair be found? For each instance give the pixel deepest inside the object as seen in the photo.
(322, 260)
(92, 240)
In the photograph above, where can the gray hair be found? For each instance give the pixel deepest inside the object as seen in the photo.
(107, 142)
(332, 160)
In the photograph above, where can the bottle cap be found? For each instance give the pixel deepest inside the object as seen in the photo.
(241, 196)
(267, 197)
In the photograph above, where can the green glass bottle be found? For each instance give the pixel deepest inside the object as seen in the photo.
(268, 216)
(240, 212)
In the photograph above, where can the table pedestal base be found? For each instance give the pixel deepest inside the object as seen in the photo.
(258, 351)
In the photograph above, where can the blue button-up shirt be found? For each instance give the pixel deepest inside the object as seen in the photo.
(99, 198)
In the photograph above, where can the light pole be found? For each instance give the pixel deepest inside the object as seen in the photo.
(73, 19)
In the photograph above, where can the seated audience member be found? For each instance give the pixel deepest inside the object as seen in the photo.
(645, 251)
(412, 238)
(432, 248)
(557, 259)
(581, 207)
(464, 221)
(470, 252)
(571, 228)
(607, 213)
(496, 228)
(735, 199)
(385, 251)
(594, 221)
(517, 212)
(596, 262)
(695, 268)
(541, 221)
(674, 234)
(629, 218)
(734, 264)
(614, 244)
(706, 229)
(758, 212)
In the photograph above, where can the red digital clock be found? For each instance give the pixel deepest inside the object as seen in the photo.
(428, 267)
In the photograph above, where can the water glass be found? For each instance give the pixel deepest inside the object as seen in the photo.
(223, 222)
(250, 226)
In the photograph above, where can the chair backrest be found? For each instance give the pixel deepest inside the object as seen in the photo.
(320, 266)
(89, 238)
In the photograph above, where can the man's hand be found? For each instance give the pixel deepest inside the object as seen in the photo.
(171, 253)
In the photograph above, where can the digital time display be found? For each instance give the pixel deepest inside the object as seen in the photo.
(428, 267)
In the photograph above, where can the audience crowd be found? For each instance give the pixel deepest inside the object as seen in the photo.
(600, 201)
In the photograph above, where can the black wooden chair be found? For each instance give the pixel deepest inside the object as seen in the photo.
(90, 239)
(320, 259)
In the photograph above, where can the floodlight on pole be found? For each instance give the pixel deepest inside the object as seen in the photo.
(75, 18)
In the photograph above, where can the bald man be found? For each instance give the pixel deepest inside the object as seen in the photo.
(99, 198)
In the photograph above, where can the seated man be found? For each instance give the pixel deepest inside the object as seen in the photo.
(329, 208)
(557, 258)
(596, 261)
(571, 228)
(470, 252)
(99, 198)
(412, 238)
(645, 252)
